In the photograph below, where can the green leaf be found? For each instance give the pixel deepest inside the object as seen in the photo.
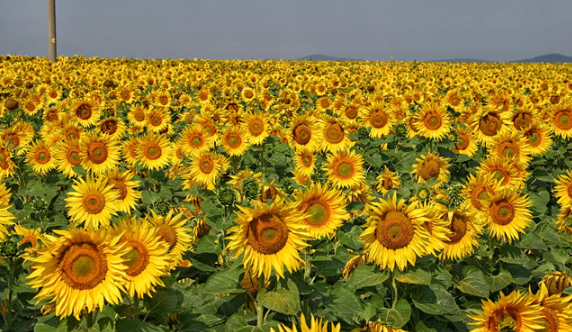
(474, 282)
(366, 276)
(225, 281)
(149, 197)
(135, 325)
(499, 281)
(344, 301)
(434, 300)
(163, 302)
(413, 275)
(281, 300)
(351, 239)
(557, 256)
(540, 201)
(542, 175)
(398, 316)
(532, 241)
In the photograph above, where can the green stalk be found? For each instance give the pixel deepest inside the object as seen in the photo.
(394, 285)
(259, 309)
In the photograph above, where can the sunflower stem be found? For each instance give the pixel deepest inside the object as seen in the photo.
(10, 293)
(394, 285)
(259, 309)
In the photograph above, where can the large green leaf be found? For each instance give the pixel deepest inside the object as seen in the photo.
(398, 316)
(281, 300)
(499, 281)
(414, 275)
(474, 282)
(366, 276)
(344, 301)
(225, 281)
(433, 299)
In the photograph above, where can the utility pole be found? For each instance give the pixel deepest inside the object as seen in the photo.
(52, 30)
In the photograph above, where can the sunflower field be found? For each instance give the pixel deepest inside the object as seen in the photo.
(211, 195)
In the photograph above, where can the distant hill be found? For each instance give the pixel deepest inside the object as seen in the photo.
(553, 58)
(460, 60)
(321, 57)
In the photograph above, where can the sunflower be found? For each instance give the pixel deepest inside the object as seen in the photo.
(477, 190)
(53, 94)
(137, 115)
(270, 192)
(158, 120)
(561, 120)
(6, 218)
(564, 189)
(18, 136)
(234, 141)
(204, 169)
(304, 134)
(378, 118)
(53, 115)
(129, 150)
(512, 146)
(324, 103)
(125, 94)
(85, 112)
(98, 154)
(454, 99)
(436, 225)
(466, 143)
(67, 155)
(463, 237)
(503, 171)
(490, 122)
(79, 270)
(431, 166)
(112, 127)
(316, 325)
(72, 132)
(270, 238)
(514, 312)
(247, 94)
(162, 98)
(41, 157)
(32, 236)
(92, 202)
(555, 309)
(344, 168)
(539, 138)
(255, 125)
(387, 180)
(146, 259)
(154, 151)
(325, 209)
(305, 162)
(432, 121)
(507, 214)
(170, 229)
(6, 163)
(208, 126)
(564, 220)
(394, 234)
(522, 119)
(556, 282)
(335, 138)
(125, 185)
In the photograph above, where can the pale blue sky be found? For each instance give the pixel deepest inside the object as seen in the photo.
(498, 30)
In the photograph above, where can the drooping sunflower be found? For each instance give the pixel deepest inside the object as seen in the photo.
(147, 257)
(555, 309)
(234, 142)
(539, 139)
(18, 136)
(316, 325)
(507, 214)
(154, 151)
(432, 122)
(6, 163)
(304, 134)
(92, 202)
(564, 220)
(561, 120)
(523, 118)
(556, 282)
(41, 157)
(377, 117)
(194, 140)
(171, 229)
(394, 234)
(466, 142)
(325, 209)
(270, 238)
(255, 125)
(80, 270)
(344, 168)
(124, 184)
(431, 166)
(85, 112)
(514, 312)
(387, 180)
(463, 238)
(98, 153)
(334, 134)
(33, 237)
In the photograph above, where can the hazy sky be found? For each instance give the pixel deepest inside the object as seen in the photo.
(498, 30)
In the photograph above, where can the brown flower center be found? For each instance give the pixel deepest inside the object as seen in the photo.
(267, 233)
(394, 230)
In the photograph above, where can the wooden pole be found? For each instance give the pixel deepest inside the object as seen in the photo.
(52, 30)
